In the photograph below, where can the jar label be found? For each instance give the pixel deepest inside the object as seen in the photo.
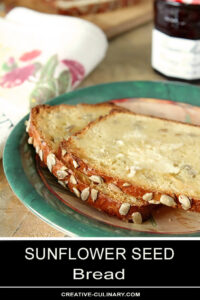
(176, 57)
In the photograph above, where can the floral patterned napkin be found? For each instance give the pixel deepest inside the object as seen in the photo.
(42, 56)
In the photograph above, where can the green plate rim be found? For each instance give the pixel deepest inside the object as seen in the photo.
(12, 163)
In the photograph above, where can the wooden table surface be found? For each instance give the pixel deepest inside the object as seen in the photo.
(128, 58)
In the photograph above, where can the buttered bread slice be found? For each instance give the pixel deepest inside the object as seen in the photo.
(48, 126)
(52, 124)
(149, 158)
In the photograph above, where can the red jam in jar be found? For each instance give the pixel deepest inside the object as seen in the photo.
(176, 39)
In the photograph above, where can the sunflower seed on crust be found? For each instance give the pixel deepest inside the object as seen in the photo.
(37, 149)
(94, 195)
(73, 179)
(85, 194)
(27, 124)
(63, 152)
(75, 164)
(137, 218)
(41, 154)
(61, 174)
(114, 188)
(51, 161)
(76, 192)
(147, 196)
(96, 179)
(124, 209)
(63, 168)
(154, 202)
(167, 200)
(185, 202)
(30, 140)
(62, 183)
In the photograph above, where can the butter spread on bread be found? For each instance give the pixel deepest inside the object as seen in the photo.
(149, 158)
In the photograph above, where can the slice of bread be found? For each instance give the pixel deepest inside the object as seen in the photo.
(48, 126)
(149, 158)
(54, 123)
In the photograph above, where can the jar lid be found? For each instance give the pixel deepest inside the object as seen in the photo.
(194, 2)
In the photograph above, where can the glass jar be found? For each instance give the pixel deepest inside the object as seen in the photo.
(176, 39)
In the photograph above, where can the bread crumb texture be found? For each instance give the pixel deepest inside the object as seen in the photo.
(159, 155)
(62, 121)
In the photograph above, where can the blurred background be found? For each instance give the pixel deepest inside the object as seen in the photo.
(113, 16)
(144, 40)
(127, 25)
(135, 51)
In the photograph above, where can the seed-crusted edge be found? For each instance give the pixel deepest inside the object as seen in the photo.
(51, 161)
(104, 202)
(131, 190)
(68, 160)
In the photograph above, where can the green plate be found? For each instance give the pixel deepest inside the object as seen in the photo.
(21, 168)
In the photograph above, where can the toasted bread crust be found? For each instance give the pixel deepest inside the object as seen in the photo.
(133, 190)
(103, 202)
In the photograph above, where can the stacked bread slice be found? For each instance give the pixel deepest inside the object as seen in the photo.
(151, 159)
(49, 127)
(119, 162)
